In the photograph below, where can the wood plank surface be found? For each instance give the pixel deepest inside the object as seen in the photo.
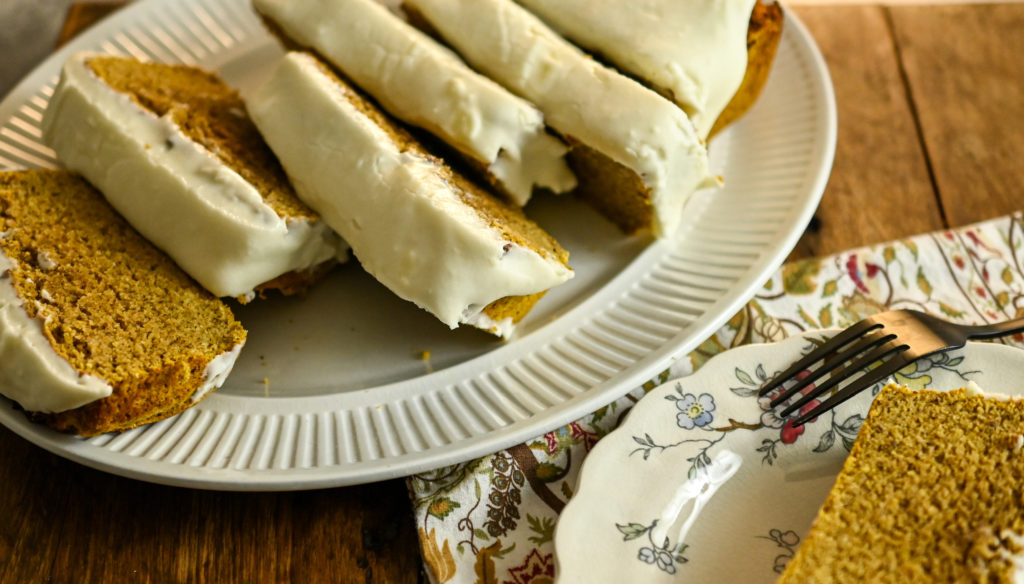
(928, 97)
(879, 189)
(67, 523)
(965, 68)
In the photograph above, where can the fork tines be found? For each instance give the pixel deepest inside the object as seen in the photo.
(845, 354)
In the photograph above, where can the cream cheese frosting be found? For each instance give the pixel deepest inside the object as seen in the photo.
(33, 374)
(580, 98)
(405, 222)
(419, 81)
(217, 371)
(503, 327)
(177, 194)
(696, 50)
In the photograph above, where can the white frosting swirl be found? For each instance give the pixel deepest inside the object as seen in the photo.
(405, 223)
(579, 97)
(696, 49)
(416, 79)
(178, 195)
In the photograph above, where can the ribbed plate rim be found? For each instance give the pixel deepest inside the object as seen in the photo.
(281, 450)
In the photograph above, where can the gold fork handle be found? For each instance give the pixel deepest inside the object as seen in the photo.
(993, 331)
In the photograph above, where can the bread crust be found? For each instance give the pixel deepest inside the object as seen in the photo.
(763, 35)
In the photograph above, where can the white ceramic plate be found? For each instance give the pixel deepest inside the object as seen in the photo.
(636, 515)
(331, 388)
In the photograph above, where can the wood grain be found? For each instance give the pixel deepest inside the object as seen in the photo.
(879, 189)
(66, 523)
(965, 71)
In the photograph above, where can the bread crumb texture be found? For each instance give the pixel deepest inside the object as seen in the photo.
(111, 304)
(933, 491)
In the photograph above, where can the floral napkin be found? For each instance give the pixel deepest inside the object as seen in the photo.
(491, 520)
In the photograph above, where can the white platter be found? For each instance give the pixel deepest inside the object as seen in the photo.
(332, 389)
(767, 479)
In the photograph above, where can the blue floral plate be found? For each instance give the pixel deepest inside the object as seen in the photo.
(704, 482)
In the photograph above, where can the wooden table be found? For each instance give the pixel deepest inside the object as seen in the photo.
(930, 132)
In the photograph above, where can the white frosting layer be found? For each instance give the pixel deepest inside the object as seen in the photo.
(502, 328)
(421, 82)
(579, 97)
(696, 49)
(217, 371)
(177, 194)
(406, 225)
(974, 390)
(31, 372)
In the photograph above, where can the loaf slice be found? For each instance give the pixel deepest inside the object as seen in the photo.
(426, 232)
(99, 330)
(171, 148)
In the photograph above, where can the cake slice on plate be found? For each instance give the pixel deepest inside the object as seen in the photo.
(636, 155)
(931, 492)
(423, 230)
(711, 57)
(171, 148)
(419, 81)
(99, 330)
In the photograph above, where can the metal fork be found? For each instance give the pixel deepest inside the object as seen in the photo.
(896, 338)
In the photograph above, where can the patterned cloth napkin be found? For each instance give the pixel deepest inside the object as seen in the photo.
(491, 520)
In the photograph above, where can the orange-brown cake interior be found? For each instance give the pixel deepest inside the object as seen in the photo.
(112, 305)
(932, 484)
(615, 191)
